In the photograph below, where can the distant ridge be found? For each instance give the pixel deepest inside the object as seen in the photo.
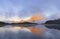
(53, 24)
(57, 21)
(26, 24)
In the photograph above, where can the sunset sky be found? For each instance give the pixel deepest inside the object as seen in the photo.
(26, 8)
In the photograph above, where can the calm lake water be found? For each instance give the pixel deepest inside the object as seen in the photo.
(10, 32)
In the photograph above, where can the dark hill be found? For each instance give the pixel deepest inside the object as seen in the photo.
(53, 24)
(57, 21)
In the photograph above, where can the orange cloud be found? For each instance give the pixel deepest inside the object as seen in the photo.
(37, 17)
(34, 17)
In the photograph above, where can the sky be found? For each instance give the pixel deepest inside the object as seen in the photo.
(26, 8)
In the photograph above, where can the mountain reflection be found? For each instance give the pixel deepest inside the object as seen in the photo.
(38, 32)
(14, 32)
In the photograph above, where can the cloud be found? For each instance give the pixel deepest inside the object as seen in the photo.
(24, 8)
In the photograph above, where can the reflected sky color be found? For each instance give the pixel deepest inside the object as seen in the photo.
(24, 9)
(36, 31)
(10, 32)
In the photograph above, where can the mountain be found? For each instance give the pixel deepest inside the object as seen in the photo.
(57, 21)
(53, 24)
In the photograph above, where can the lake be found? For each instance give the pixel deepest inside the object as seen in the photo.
(11, 32)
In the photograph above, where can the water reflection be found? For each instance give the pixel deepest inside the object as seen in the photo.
(10, 32)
